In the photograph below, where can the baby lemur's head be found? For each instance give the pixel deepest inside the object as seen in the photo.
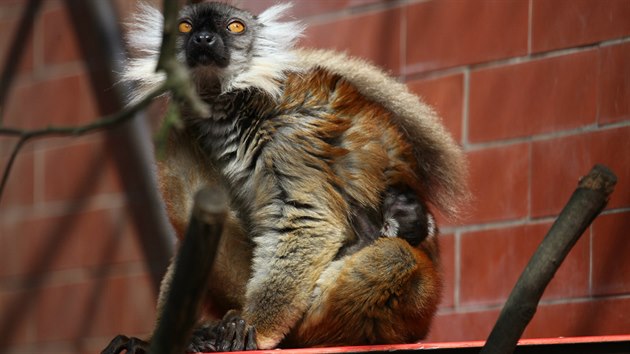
(224, 47)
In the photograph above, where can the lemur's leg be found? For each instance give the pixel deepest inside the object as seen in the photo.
(385, 293)
(383, 290)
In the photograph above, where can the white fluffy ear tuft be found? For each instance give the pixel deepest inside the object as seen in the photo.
(272, 54)
(144, 39)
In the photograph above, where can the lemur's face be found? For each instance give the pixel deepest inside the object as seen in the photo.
(216, 35)
(224, 48)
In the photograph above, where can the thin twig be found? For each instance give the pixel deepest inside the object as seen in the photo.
(180, 84)
(169, 43)
(9, 165)
(106, 122)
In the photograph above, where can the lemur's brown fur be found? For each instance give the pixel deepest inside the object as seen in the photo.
(386, 292)
(331, 166)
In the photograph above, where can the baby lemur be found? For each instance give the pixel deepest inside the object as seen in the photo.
(331, 167)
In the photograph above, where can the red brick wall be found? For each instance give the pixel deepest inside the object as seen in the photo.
(536, 92)
(72, 274)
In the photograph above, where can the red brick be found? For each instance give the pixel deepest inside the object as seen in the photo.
(119, 245)
(590, 318)
(19, 188)
(123, 305)
(557, 164)
(101, 307)
(58, 347)
(61, 311)
(17, 313)
(60, 43)
(8, 4)
(534, 97)
(86, 239)
(492, 261)
(7, 261)
(468, 326)
(49, 244)
(8, 33)
(611, 264)
(63, 101)
(499, 183)
(306, 8)
(447, 252)
(79, 170)
(374, 36)
(452, 32)
(614, 104)
(569, 23)
(446, 94)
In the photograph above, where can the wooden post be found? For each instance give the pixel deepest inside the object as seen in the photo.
(192, 268)
(588, 200)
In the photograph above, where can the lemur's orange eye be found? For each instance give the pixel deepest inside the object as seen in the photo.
(185, 27)
(236, 26)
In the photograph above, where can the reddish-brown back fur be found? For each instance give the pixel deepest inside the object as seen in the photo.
(365, 150)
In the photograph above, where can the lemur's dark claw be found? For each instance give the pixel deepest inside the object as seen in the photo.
(229, 335)
(130, 345)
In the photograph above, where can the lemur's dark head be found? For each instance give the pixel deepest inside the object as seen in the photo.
(224, 47)
(216, 35)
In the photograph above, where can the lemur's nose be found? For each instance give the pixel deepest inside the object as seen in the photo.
(205, 38)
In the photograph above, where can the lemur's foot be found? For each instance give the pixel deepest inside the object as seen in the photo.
(130, 345)
(229, 335)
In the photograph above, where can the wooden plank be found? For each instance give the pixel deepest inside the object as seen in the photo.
(592, 344)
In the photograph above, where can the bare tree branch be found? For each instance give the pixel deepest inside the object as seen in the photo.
(106, 122)
(177, 82)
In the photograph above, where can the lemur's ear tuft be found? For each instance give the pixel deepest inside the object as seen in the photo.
(272, 55)
(144, 39)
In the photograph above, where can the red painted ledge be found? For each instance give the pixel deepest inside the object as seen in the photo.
(598, 344)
